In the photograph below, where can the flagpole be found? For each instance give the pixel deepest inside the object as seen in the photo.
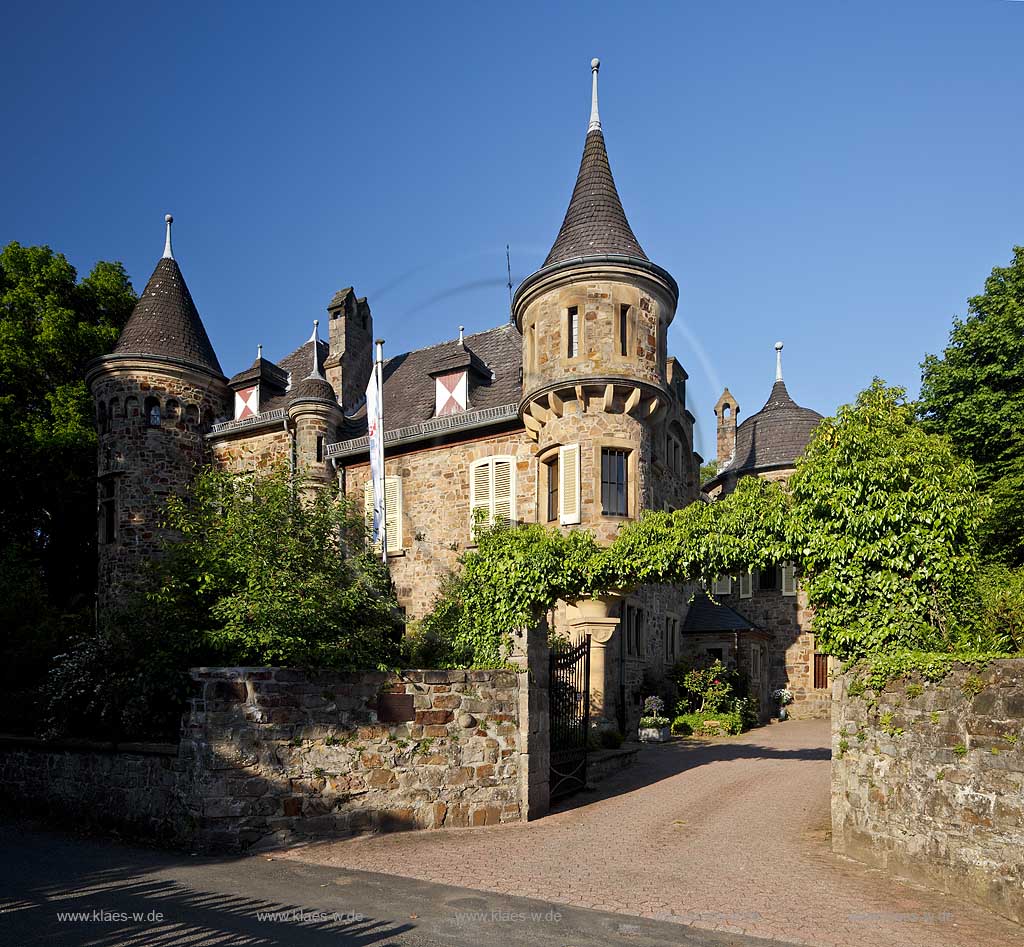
(379, 369)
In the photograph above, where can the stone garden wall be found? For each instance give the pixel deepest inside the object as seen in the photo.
(274, 755)
(928, 782)
(133, 787)
(282, 754)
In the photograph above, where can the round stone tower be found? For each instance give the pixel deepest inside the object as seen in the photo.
(595, 320)
(315, 415)
(156, 395)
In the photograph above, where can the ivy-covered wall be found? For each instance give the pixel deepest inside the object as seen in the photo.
(928, 780)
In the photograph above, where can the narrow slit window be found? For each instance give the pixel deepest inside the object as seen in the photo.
(573, 332)
(319, 448)
(623, 330)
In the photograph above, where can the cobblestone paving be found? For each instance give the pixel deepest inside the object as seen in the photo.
(729, 835)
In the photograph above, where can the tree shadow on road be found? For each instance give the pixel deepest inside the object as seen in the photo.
(71, 896)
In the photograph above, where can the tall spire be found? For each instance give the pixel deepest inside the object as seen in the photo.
(315, 339)
(778, 361)
(168, 255)
(595, 223)
(165, 321)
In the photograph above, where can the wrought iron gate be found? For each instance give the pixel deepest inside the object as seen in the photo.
(570, 718)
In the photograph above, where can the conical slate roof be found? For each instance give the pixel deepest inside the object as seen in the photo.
(775, 436)
(166, 322)
(595, 223)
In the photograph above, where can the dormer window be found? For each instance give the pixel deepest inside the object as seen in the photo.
(450, 393)
(247, 402)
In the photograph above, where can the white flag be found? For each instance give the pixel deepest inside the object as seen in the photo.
(375, 432)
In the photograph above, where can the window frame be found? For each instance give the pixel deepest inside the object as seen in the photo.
(394, 512)
(573, 332)
(619, 488)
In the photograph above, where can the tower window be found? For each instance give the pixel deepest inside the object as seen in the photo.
(552, 467)
(319, 448)
(573, 332)
(614, 482)
(108, 510)
(152, 412)
(623, 330)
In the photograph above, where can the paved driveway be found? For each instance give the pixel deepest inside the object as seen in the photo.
(729, 835)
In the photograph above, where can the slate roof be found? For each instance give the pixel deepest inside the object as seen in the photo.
(595, 223)
(165, 322)
(409, 395)
(706, 617)
(775, 436)
(312, 389)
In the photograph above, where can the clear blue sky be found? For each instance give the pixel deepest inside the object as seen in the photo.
(838, 175)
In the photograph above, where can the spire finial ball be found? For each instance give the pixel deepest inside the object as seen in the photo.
(169, 218)
(595, 63)
(778, 346)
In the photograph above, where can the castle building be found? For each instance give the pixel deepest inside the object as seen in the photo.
(572, 414)
(766, 610)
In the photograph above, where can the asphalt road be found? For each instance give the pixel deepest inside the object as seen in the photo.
(63, 890)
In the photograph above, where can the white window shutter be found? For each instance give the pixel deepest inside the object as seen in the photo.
(503, 497)
(368, 503)
(479, 490)
(746, 584)
(788, 578)
(569, 484)
(393, 512)
(723, 585)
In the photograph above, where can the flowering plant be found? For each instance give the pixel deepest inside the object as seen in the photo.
(783, 695)
(654, 707)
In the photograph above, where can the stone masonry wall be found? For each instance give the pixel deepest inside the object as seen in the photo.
(928, 781)
(249, 452)
(132, 788)
(277, 754)
(269, 754)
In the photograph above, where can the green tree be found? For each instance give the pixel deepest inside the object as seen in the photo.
(267, 571)
(51, 325)
(884, 525)
(974, 394)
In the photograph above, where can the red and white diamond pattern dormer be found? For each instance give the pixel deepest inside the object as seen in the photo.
(247, 403)
(450, 393)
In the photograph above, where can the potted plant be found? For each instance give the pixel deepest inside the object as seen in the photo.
(784, 696)
(654, 727)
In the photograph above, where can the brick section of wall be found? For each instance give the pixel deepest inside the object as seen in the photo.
(930, 785)
(135, 791)
(283, 754)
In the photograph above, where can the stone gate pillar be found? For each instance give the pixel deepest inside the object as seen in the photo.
(531, 654)
(593, 619)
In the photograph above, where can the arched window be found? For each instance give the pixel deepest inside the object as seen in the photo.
(191, 414)
(152, 412)
(171, 410)
(114, 410)
(131, 407)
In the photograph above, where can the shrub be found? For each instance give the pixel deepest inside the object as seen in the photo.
(704, 723)
(707, 685)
